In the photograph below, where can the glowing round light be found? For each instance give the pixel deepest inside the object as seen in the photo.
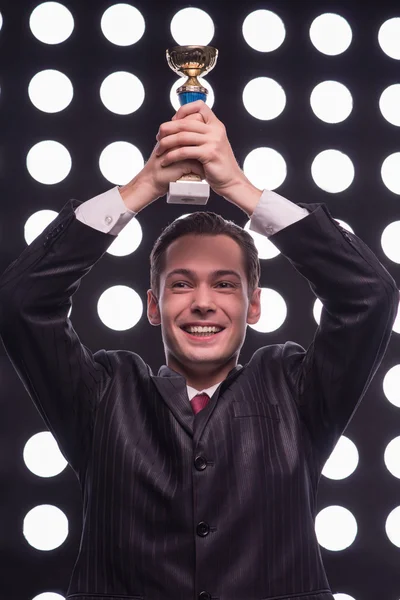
(265, 248)
(1, 21)
(264, 98)
(336, 528)
(390, 172)
(51, 23)
(273, 311)
(392, 457)
(48, 162)
(396, 324)
(343, 597)
(173, 96)
(331, 34)
(120, 307)
(265, 168)
(389, 104)
(122, 93)
(128, 240)
(120, 162)
(263, 30)
(389, 37)
(393, 527)
(332, 171)
(391, 385)
(50, 91)
(42, 455)
(49, 596)
(331, 101)
(37, 223)
(390, 241)
(192, 27)
(122, 24)
(45, 527)
(343, 461)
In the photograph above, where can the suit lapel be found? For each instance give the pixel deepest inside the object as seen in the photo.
(172, 388)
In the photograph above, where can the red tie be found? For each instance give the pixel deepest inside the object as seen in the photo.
(199, 402)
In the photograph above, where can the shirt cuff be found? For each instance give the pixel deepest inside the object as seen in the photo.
(106, 212)
(273, 213)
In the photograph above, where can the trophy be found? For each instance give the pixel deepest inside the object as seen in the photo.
(190, 61)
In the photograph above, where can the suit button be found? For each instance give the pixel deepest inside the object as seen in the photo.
(203, 529)
(200, 463)
(204, 596)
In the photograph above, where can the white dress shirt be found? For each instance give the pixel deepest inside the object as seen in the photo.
(108, 213)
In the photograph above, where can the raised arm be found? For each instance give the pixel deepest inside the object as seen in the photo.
(64, 379)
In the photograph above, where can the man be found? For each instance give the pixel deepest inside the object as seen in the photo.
(215, 499)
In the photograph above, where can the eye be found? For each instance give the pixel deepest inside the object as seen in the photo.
(226, 283)
(179, 283)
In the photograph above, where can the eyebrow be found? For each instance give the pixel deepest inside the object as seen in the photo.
(214, 274)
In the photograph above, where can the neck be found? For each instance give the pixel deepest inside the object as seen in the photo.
(201, 378)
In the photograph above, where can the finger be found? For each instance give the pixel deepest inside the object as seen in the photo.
(184, 153)
(179, 139)
(196, 107)
(173, 127)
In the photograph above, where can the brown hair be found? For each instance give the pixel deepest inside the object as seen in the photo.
(204, 223)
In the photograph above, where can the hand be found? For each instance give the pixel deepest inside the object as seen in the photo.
(203, 140)
(153, 180)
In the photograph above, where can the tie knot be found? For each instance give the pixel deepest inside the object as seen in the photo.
(199, 401)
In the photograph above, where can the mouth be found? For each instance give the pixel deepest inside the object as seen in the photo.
(202, 336)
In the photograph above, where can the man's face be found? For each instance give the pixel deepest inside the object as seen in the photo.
(203, 284)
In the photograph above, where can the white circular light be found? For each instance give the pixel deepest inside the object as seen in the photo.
(332, 171)
(343, 597)
(173, 96)
(49, 596)
(391, 385)
(265, 168)
(390, 172)
(263, 30)
(120, 162)
(389, 104)
(122, 93)
(128, 240)
(273, 311)
(42, 455)
(392, 457)
(120, 307)
(192, 27)
(48, 162)
(331, 34)
(317, 310)
(331, 101)
(1, 21)
(264, 98)
(343, 461)
(37, 223)
(50, 91)
(390, 241)
(265, 248)
(393, 527)
(45, 527)
(123, 24)
(336, 528)
(389, 37)
(396, 324)
(51, 23)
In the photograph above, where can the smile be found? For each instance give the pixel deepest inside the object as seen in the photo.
(202, 336)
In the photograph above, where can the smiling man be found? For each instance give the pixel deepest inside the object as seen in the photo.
(200, 482)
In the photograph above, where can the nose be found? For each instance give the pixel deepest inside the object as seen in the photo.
(203, 300)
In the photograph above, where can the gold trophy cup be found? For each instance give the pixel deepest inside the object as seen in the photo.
(192, 62)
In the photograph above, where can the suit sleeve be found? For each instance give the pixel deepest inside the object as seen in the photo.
(360, 301)
(64, 379)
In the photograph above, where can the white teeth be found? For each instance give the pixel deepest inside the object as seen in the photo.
(203, 329)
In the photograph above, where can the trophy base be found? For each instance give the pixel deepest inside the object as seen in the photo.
(188, 192)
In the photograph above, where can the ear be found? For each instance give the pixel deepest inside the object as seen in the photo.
(153, 311)
(254, 310)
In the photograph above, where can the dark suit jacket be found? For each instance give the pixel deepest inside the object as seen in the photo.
(220, 505)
